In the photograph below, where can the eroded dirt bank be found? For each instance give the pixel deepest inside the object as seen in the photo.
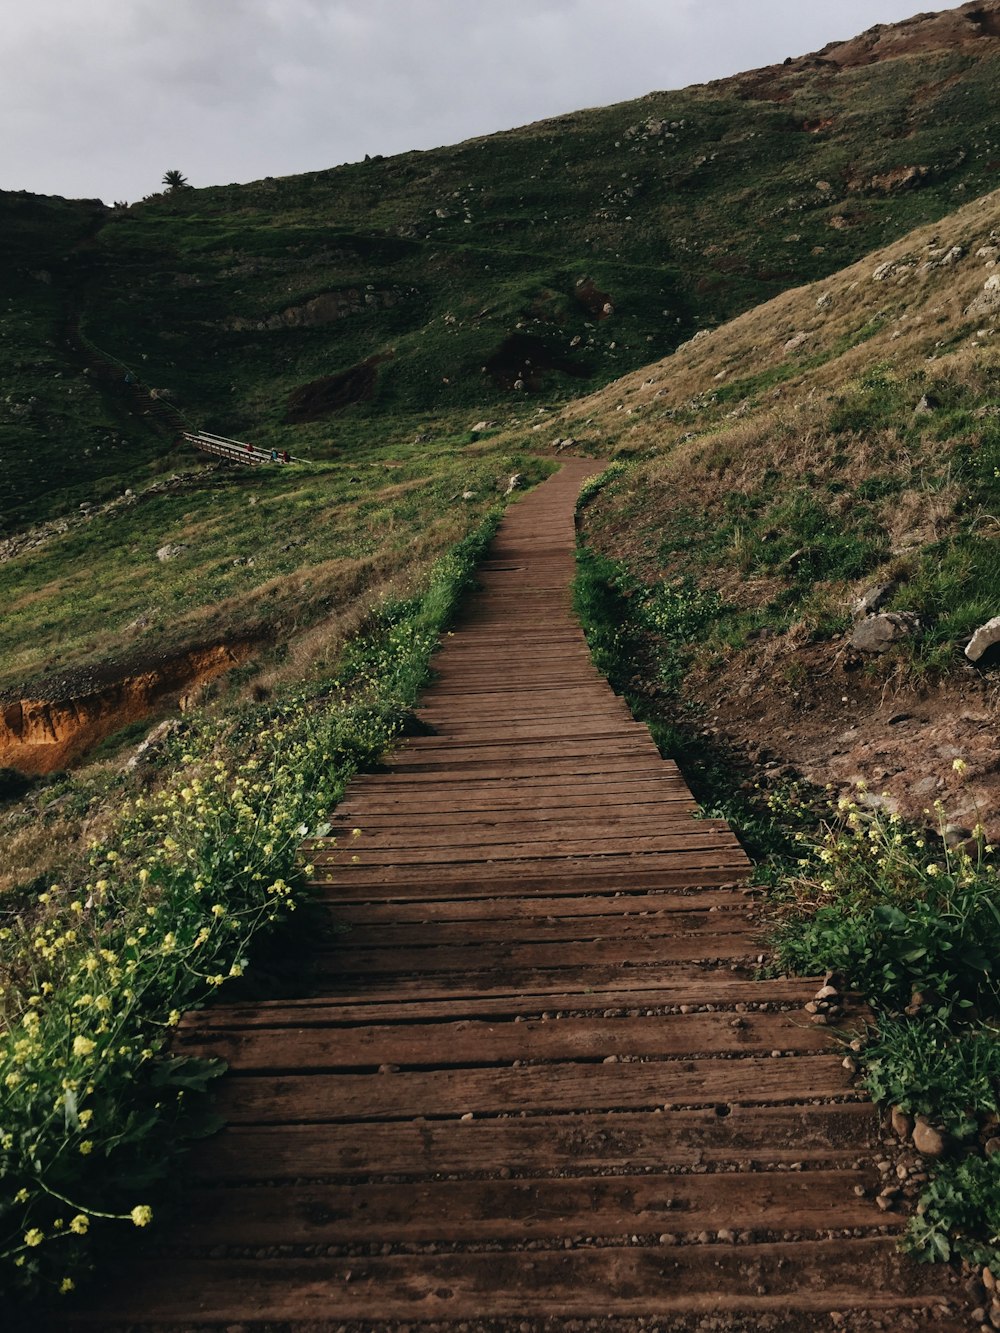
(46, 729)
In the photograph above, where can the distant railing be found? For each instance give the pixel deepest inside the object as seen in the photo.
(238, 451)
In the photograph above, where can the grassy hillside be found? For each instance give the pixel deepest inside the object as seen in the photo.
(313, 310)
(843, 437)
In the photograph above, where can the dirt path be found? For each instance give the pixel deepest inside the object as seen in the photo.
(538, 1090)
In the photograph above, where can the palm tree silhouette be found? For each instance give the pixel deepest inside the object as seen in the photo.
(175, 180)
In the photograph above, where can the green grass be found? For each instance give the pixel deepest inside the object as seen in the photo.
(268, 552)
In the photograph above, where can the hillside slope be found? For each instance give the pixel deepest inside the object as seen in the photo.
(313, 309)
(839, 442)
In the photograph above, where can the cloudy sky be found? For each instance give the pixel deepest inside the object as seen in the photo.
(99, 97)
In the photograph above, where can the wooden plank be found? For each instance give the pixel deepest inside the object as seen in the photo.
(597, 906)
(622, 834)
(451, 849)
(724, 991)
(310, 1098)
(611, 815)
(514, 880)
(539, 981)
(705, 869)
(535, 930)
(340, 956)
(756, 1279)
(753, 1136)
(468, 1042)
(599, 1207)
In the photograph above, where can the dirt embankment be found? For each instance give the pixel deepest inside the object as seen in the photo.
(47, 729)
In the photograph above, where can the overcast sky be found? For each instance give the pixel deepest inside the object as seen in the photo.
(99, 97)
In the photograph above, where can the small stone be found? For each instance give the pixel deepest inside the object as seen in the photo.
(926, 1139)
(668, 1239)
(975, 1289)
(467, 1116)
(902, 1123)
(876, 634)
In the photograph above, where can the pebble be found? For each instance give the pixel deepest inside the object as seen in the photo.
(902, 1123)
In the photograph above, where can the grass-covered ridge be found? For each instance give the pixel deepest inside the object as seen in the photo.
(168, 906)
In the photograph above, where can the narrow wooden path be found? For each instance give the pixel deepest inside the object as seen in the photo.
(539, 1089)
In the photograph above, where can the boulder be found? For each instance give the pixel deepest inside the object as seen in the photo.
(884, 272)
(984, 638)
(515, 483)
(170, 551)
(876, 634)
(988, 300)
(796, 342)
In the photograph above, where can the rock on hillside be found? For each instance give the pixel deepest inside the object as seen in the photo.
(952, 29)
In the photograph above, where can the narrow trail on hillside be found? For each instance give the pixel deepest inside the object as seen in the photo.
(539, 1088)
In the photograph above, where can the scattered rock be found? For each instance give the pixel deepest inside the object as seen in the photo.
(514, 483)
(147, 750)
(874, 599)
(171, 551)
(902, 1123)
(983, 639)
(876, 634)
(795, 342)
(988, 299)
(928, 1141)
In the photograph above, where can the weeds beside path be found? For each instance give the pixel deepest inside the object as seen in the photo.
(899, 912)
(172, 905)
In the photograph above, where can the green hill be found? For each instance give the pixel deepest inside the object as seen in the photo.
(314, 310)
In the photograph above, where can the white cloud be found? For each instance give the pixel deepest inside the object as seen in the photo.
(100, 98)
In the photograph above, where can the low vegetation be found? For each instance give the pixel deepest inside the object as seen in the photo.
(896, 911)
(170, 906)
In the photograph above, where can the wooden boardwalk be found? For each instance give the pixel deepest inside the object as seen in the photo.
(538, 1089)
